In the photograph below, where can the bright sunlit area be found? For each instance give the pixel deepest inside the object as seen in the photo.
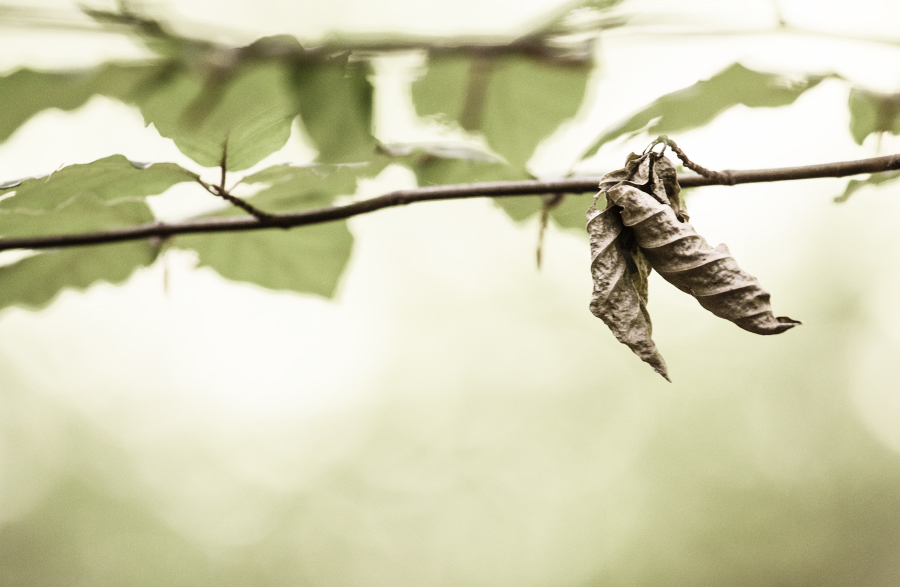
(444, 411)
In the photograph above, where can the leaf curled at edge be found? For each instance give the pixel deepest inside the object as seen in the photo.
(616, 300)
(644, 227)
(684, 258)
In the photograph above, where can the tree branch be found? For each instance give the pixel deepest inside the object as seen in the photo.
(426, 194)
(546, 48)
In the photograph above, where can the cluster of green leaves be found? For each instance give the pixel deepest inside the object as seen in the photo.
(249, 105)
(233, 107)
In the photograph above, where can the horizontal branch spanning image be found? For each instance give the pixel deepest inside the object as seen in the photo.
(298, 182)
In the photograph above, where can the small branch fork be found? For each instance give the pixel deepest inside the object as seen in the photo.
(444, 192)
(221, 192)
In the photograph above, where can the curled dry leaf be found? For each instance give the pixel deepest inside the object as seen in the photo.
(620, 285)
(645, 226)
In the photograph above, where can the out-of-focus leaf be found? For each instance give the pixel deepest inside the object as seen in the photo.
(107, 193)
(251, 104)
(569, 213)
(700, 103)
(601, 4)
(25, 92)
(871, 112)
(307, 259)
(440, 171)
(442, 90)
(35, 281)
(440, 167)
(248, 105)
(335, 103)
(855, 185)
(416, 152)
(308, 186)
(514, 101)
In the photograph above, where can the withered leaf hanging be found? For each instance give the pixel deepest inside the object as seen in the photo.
(644, 225)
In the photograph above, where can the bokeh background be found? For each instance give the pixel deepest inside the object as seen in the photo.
(455, 416)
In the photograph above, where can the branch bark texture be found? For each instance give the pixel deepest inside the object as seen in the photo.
(425, 194)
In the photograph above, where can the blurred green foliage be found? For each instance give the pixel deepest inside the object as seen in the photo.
(515, 102)
(700, 103)
(872, 112)
(109, 193)
(75, 268)
(310, 259)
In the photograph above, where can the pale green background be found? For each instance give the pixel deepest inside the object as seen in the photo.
(454, 416)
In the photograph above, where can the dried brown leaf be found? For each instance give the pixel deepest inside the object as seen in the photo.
(644, 226)
(620, 286)
(683, 258)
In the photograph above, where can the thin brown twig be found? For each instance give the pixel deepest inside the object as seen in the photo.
(220, 192)
(722, 177)
(445, 192)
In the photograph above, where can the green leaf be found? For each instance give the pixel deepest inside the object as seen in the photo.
(434, 166)
(436, 170)
(35, 281)
(855, 185)
(307, 186)
(248, 106)
(700, 103)
(335, 103)
(871, 112)
(307, 259)
(514, 101)
(95, 196)
(570, 212)
(442, 90)
(432, 170)
(25, 92)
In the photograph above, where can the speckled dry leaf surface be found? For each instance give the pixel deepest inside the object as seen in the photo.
(645, 226)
